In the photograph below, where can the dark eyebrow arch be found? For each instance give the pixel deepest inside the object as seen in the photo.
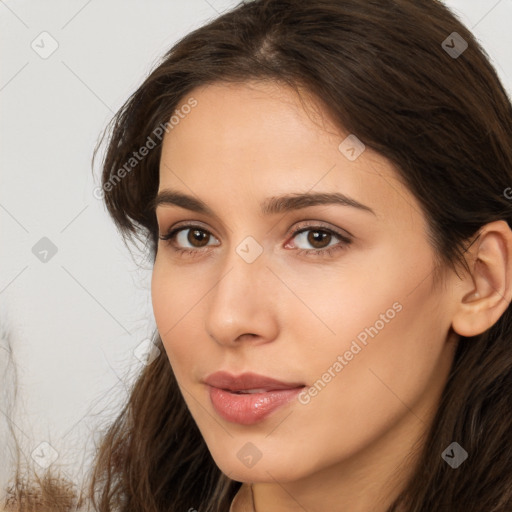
(271, 206)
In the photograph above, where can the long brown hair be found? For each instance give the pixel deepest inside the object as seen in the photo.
(382, 70)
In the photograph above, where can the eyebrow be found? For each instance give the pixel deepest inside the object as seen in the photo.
(271, 206)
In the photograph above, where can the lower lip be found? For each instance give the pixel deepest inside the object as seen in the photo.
(249, 408)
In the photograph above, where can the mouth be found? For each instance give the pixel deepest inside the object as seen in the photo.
(246, 407)
(248, 398)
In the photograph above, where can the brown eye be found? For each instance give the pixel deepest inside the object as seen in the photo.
(190, 240)
(197, 236)
(187, 238)
(318, 237)
(322, 242)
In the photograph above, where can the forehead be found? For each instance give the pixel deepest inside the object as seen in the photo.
(256, 139)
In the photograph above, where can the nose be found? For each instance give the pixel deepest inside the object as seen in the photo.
(243, 303)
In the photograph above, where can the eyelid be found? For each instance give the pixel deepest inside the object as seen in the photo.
(190, 224)
(342, 233)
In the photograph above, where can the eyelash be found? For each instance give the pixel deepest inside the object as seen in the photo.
(327, 252)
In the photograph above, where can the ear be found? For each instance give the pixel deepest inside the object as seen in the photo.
(486, 293)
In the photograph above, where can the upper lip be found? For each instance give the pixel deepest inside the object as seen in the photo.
(245, 381)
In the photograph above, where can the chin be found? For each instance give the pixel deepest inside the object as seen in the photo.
(268, 468)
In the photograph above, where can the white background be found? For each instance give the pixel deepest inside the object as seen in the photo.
(74, 321)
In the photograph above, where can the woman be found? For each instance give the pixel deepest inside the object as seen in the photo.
(322, 186)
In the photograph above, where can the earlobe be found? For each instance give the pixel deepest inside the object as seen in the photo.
(487, 291)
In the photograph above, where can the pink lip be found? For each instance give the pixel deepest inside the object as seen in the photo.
(246, 408)
(225, 380)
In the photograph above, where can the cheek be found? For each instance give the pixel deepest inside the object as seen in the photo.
(386, 349)
(390, 379)
(172, 294)
(175, 308)
(168, 306)
(163, 298)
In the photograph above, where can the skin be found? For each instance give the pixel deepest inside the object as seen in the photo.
(289, 316)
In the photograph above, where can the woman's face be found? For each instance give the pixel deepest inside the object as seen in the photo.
(345, 308)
